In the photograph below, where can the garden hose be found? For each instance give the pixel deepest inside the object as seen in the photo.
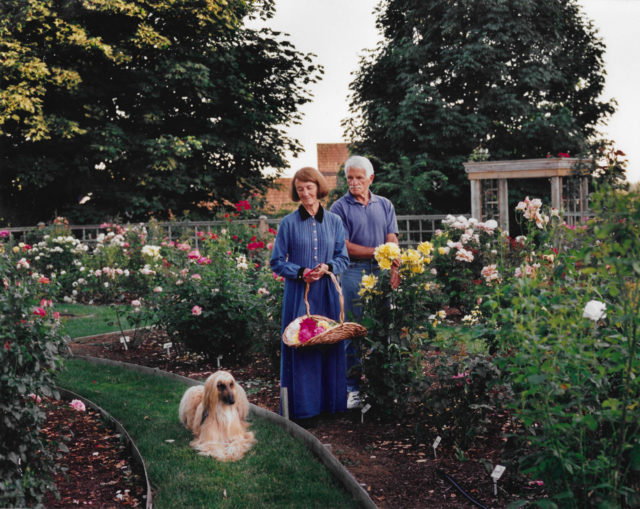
(447, 477)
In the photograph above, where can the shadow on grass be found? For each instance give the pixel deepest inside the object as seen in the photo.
(278, 472)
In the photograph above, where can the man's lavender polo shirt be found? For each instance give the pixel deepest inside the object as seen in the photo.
(366, 225)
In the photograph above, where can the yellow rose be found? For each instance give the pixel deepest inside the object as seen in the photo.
(425, 248)
(385, 254)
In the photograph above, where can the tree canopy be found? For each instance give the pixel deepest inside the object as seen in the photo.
(141, 107)
(509, 78)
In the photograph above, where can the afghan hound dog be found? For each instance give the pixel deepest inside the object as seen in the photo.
(216, 413)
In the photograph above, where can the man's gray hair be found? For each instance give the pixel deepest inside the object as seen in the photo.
(359, 162)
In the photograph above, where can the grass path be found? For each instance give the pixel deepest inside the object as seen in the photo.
(278, 472)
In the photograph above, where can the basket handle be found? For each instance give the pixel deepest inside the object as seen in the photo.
(335, 282)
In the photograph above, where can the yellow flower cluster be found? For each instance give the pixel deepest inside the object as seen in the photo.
(426, 248)
(367, 284)
(413, 261)
(385, 254)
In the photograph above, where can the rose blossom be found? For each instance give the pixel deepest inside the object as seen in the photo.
(196, 310)
(78, 405)
(595, 310)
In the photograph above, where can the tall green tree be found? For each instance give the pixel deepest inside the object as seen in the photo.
(517, 78)
(141, 107)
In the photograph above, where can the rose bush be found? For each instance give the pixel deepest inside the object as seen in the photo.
(30, 352)
(567, 340)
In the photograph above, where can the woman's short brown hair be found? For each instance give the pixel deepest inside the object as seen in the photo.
(309, 174)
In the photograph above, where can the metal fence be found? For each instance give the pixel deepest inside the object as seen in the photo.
(413, 229)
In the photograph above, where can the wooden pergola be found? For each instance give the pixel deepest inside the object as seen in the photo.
(501, 171)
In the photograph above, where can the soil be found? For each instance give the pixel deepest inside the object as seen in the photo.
(384, 457)
(98, 469)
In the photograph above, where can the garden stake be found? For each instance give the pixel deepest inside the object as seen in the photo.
(218, 358)
(284, 402)
(435, 445)
(495, 475)
(167, 346)
(124, 340)
(364, 410)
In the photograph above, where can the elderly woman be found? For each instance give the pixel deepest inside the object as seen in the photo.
(310, 243)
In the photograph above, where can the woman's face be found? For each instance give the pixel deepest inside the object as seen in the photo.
(308, 192)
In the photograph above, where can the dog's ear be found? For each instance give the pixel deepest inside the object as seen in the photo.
(242, 403)
(210, 396)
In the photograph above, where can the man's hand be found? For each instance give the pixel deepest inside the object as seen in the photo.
(395, 273)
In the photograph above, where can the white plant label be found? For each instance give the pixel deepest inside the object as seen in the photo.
(363, 411)
(218, 359)
(435, 445)
(497, 472)
(124, 340)
(495, 475)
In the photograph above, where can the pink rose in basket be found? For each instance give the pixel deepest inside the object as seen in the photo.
(309, 328)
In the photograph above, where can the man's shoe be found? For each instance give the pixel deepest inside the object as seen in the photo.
(354, 401)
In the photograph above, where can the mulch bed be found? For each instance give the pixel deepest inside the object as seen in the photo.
(384, 457)
(98, 469)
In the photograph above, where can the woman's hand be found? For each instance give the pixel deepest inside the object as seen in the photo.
(312, 275)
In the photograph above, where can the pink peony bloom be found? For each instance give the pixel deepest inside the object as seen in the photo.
(4, 233)
(196, 310)
(56, 315)
(46, 303)
(194, 255)
(35, 398)
(78, 405)
(39, 311)
(135, 303)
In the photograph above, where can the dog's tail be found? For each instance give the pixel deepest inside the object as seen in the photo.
(189, 404)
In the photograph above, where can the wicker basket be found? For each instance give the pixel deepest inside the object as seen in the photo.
(342, 330)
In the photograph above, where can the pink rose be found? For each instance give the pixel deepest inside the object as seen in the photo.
(196, 310)
(78, 405)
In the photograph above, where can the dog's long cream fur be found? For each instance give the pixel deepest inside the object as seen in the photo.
(222, 432)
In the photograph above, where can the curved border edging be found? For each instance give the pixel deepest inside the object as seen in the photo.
(133, 449)
(340, 473)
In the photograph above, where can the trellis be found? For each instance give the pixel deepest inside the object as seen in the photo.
(489, 186)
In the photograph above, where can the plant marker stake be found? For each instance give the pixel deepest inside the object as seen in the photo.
(218, 360)
(435, 445)
(124, 340)
(495, 475)
(167, 346)
(364, 410)
(284, 402)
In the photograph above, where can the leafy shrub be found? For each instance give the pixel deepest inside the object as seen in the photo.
(30, 348)
(575, 372)
(216, 300)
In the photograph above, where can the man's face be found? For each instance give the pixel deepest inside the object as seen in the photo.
(358, 182)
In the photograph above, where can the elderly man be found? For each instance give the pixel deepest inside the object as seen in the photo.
(369, 220)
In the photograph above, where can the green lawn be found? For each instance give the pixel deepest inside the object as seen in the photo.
(82, 320)
(279, 472)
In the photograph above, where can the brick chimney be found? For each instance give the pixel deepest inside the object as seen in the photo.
(330, 157)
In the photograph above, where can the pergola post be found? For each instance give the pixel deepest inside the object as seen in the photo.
(556, 192)
(476, 199)
(503, 204)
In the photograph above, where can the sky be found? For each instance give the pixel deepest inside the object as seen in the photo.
(339, 31)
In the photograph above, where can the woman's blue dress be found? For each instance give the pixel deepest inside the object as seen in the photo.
(315, 377)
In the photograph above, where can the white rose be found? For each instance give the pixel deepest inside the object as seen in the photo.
(595, 310)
